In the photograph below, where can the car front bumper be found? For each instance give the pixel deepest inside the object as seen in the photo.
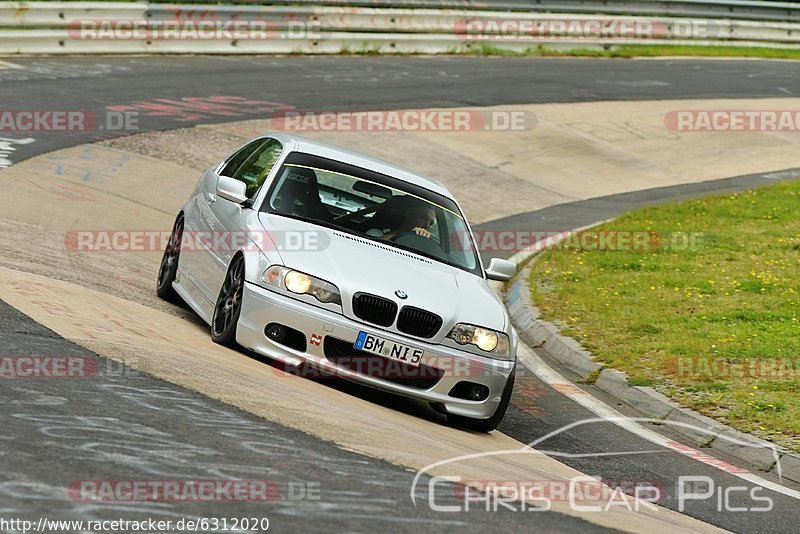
(261, 307)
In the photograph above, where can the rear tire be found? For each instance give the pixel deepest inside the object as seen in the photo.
(168, 269)
(486, 425)
(228, 307)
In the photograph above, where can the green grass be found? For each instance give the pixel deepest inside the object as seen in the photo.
(731, 301)
(709, 51)
(631, 51)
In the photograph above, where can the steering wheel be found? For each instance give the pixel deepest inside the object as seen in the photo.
(418, 243)
(395, 238)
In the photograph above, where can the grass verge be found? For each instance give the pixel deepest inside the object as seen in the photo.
(705, 308)
(633, 51)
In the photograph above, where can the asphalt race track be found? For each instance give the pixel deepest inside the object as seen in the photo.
(325, 83)
(127, 425)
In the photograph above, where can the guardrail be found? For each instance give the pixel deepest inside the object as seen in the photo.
(761, 10)
(731, 9)
(140, 27)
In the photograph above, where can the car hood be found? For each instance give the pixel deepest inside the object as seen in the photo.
(355, 264)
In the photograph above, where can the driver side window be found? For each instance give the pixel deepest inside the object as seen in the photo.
(253, 163)
(237, 159)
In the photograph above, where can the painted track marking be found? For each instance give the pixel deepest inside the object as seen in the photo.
(548, 375)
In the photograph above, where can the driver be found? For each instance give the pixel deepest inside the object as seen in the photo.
(419, 217)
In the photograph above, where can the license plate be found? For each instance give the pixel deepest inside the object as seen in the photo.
(388, 349)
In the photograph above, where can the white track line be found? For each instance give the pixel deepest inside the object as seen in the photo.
(9, 65)
(548, 375)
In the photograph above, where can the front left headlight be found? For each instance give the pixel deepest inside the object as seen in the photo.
(496, 344)
(302, 284)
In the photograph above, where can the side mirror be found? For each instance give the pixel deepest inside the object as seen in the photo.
(231, 189)
(501, 270)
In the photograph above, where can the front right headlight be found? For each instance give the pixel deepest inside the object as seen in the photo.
(302, 284)
(495, 344)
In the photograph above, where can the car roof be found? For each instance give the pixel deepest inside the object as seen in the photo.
(297, 143)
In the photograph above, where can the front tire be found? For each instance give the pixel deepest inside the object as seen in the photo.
(168, 269)
(486, 425)
(228, 307)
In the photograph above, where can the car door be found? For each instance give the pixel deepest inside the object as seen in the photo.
(195, 264)
(222, 221)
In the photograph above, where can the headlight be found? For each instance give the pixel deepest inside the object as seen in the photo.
(487, 340)
(302, 284)
(297, 282)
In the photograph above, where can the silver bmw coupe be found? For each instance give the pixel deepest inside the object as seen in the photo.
(331, 260)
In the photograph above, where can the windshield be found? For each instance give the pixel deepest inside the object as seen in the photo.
(374, 206)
